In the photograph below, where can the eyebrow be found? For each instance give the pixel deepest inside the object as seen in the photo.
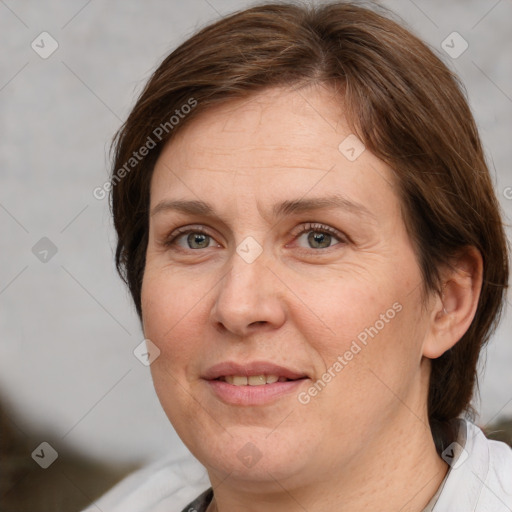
(281, 209)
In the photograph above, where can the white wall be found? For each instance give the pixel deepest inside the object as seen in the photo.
(67, 326)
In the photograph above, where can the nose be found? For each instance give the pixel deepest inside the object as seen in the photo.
(249, 298)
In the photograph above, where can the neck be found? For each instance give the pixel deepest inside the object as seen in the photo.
(400, 470)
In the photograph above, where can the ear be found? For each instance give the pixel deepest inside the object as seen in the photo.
(451, 313)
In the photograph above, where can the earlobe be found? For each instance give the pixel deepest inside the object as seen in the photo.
(454, 309)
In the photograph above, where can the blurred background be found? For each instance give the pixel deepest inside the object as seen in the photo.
(69, 73)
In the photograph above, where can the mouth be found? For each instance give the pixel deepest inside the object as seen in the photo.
(254, 383)
(253, 373)
(254, 380)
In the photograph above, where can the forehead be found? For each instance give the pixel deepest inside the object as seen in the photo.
(267, 123)
(276, 143)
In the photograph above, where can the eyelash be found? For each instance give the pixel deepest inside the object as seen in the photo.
(173, 237)
(321, 228)
(305, 228)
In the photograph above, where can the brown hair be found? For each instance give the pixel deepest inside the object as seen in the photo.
(402, 102)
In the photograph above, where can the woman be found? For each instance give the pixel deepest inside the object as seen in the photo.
(309, 232)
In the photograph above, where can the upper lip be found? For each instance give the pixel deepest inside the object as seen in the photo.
(227, 368)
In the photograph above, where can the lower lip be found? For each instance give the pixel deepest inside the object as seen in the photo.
(254, 395)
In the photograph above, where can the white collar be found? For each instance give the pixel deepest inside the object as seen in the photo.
(480, 476)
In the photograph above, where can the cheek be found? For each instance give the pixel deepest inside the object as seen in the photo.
(344, 309)
(371, 369)
(168, 312)
(374, 323)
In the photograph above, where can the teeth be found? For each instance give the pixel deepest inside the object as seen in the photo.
(239, 380)
(257, 380)
(253, 380)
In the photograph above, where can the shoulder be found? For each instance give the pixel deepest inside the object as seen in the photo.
(480, 477)
(166, 485)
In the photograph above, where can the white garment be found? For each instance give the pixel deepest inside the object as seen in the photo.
(166, 485)
(480, 480)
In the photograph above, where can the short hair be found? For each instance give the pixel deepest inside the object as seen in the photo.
(399, 98)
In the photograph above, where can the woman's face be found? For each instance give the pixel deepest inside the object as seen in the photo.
(277, 251)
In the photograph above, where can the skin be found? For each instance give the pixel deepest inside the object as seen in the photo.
(363, 442)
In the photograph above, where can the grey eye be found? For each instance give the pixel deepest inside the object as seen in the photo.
(198, 240)
(319, 240)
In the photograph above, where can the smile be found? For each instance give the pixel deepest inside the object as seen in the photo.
(252, 380)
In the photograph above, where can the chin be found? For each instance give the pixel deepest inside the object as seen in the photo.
(246, 455)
